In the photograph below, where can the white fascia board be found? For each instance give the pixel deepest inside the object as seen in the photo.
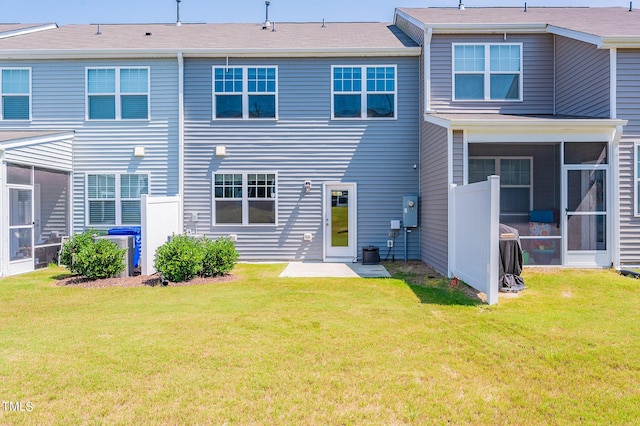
(18, 143)
(514, 125)
(209, 53)
(628, 42)
(29, 30)
(576, 35)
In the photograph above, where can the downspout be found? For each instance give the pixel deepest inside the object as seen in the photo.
(181, 139)
(426, 49)
(555, 71)
(4, 218)
(615, 157)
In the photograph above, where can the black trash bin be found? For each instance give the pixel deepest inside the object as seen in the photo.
(370, 255)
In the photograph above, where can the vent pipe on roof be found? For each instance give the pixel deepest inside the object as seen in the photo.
(630, 6)
(460, 5)
(323, 23)
(178, 23)
(267, 23)
(98, 33)
(525, 6)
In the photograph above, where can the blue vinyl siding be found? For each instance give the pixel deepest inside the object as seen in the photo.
(58, 103)
(303, 144)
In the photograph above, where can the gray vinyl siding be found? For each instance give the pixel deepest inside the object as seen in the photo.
(303, 144)
(582, 79)
(58, 103)
(628, 95)
(434, 191)
(537, 75)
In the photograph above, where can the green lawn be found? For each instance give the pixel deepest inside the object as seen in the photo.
(321, 351)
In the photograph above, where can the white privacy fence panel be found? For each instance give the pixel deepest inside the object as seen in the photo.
(474, 214)
(160, 220)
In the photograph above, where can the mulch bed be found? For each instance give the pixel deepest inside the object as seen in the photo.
(136, 281)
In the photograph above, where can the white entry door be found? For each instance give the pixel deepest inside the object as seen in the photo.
(340, 222)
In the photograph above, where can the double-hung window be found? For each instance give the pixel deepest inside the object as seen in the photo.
(364, 91)
(516, 175)
(244, 198)
(15, 85)
(487, 72)
(114, 199)
(118, 93)
(245, 92)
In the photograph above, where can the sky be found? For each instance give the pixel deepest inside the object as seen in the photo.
(246, 11)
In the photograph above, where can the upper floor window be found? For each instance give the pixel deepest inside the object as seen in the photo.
(489, 72)
(118, 93)
(244, 198)
(364, 92)
(15, 84)
(114, 199)
(245, 92)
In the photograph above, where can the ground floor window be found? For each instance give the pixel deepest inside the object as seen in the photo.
(114, 199)
(516, 177)
(244, 198)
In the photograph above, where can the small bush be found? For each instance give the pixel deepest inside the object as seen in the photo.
(218, 257)
(100, 259)
(72, 247)
(179, 259)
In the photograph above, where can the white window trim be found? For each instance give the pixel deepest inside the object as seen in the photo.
(497, 172)
(117, 94)
(245, 92)
(363, 93)
(245, 198)
(486, 72)
(13, 94)
(118, 199)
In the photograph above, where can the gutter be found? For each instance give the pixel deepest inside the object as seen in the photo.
(181, 139)
(209, 53)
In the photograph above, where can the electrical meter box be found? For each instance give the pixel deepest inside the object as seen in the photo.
(410, 211)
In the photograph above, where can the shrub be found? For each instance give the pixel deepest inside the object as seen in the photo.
(218, 257)
(72, 247)
(100, 259)
(179, 259)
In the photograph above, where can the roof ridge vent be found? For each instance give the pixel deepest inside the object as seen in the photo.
(267, 23)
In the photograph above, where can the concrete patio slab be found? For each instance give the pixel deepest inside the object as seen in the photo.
(333, 270)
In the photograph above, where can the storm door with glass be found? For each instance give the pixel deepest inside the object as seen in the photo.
(586, 220)
(20, 187)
